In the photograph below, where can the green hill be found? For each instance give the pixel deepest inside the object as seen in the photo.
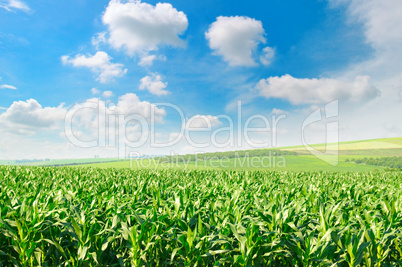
(364, 155)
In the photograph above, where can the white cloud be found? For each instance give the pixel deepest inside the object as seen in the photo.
(130, 104)
(96, 119)
(364, 120)
(86, 118)
(10, 5)
(94, 91)
(30, 114)
(316, 91)
(154, 85)
(236, 38)
(140, 27)
(148, 60)
(277, 111)
(6, 86)
(380, 23)
(267, 56)
(99, 64)
(98, 39)
(202, 122)
(28, 117)
(380, 20)
(107, 94)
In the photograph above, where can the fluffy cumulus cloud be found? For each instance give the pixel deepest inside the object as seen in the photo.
(380, 23)
(202, 122)
(99, 64)
(29, 117)
(130, 104)
(25, 117)
(154, 85)
(140, 27)
(6, 86)
(107, 94)
(85, 116)
(236, 39)
(316, 91)
(11, 5)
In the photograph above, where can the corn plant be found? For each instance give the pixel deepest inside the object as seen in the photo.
(108, 217)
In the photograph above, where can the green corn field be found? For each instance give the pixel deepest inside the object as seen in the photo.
(108, 217)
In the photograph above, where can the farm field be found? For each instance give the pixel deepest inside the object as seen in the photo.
(200, 133)
(259, 159)
(381, 146)
(88, 217)
(285, 163)
(301, 161)
(57, 162)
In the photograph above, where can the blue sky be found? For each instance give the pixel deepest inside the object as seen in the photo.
(277, 57)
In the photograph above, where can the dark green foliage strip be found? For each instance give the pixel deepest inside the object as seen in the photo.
(107, 217)
(390, 162)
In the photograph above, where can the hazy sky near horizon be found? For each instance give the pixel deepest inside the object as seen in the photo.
(185, 65)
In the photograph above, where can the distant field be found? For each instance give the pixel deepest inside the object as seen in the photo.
(376, 147)
(256, 159)
(60, 162)
(382, 143)
(303, 161)
(6, 162)
(291, 163)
